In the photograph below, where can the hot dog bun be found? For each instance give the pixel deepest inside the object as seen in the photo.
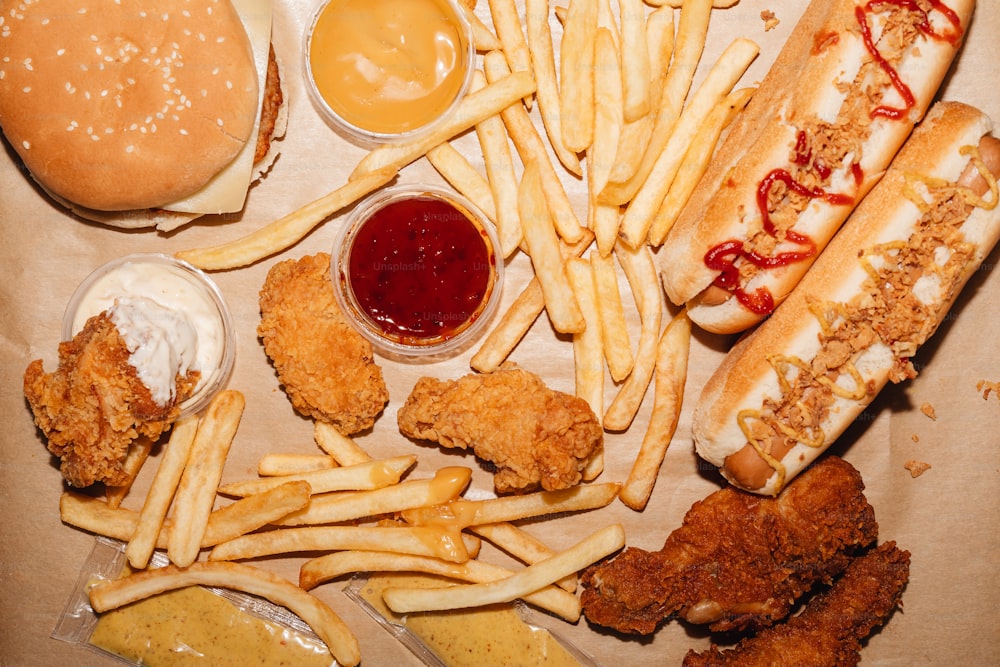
(828, 118)
(877, 293)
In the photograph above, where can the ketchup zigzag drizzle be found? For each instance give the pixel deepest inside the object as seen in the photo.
(723, 257)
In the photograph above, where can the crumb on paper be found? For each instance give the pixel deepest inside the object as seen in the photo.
(987, 386)
(928, 410)
(770, 20)
(915, 438)
(917, 468)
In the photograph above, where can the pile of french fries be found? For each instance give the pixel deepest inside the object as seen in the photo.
(353, 509)
(614, 95)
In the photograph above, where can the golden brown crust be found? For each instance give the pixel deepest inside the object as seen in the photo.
(117, 95)
(747, 377)
(826, 46)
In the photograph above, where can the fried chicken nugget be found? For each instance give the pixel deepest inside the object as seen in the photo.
(534, 435)
(326, 367)
(93, 406)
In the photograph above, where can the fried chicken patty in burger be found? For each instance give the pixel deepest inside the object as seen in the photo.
(139, 114)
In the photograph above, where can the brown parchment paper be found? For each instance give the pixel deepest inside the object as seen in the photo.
(948, 518)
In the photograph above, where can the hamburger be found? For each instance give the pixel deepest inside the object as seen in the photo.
(137, 114)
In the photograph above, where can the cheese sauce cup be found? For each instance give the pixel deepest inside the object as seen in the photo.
(382, 71)
(417, 271)
(172, 317)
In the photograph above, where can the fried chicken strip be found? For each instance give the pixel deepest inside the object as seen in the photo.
(829, 630)
(327, 368)
(93, 406)
(534, 435)
(739, 561)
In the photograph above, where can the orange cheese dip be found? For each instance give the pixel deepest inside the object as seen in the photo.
(388, 66)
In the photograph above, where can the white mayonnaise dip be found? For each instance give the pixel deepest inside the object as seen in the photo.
(168, 321)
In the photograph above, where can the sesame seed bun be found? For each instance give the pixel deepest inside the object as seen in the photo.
(117, 106)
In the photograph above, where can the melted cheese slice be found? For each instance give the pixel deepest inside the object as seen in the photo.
(227, 191)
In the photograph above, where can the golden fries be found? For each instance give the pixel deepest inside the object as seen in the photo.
(138, 452)
(344, 451)
(670, 378)
(357, 477)
(611, 317)
(446, 485)
(635, 60)
(598, 545)
(463, 513)
(285, 232)
(520, 545)
(455, 169)
(543, 247)
(248, 514)
(588, 352)
(275, 465)
(500, 175)
(442, 543)
(195, 496)
(576, 74)
(330, 628)
(641, 273)
(161, 493)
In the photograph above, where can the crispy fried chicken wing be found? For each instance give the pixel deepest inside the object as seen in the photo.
(739, 561)
(534, 435)
(326, 367)
(93, 406)
(829, 630)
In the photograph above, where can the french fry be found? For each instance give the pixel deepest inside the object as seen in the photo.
(195, 495)
(608, 124)
(532, 578)
(275, 465)
(436, 542)
(669, 380)
(327, 625)
(462, 513)
(636, 134)
(500, 175)
(482, 37)
(511, 35)
(224, 524)
(288, 230)
(641, 274)
(695, 162)
(635, 60)
(471, 110)
(344, 451)
(576, 74)
(725, 73)
(161, 493)
(446, 485)
(531, 148)
(613, 326)
(588, 352)
(522, 546)
(519, 316)
(543, 247)
(457, 170)
(138, 452)
(692, 29)
(358, 477)
(547, 94)
(248, 514)
(331, 566)
(677, 4)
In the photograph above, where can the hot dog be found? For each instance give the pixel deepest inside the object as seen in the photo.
(786, 391)
(842, 96)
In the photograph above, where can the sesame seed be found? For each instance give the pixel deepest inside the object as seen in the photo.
(26, 144)
(26, 89)
(183, 131)
(130, 148)
(61, 52)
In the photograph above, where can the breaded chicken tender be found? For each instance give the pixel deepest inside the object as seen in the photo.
(739, 561)
(326, 367)
(829, 630)
(534, 435)
(93, 406)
